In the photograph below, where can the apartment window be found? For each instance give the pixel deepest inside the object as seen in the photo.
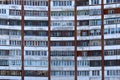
(62, 43)
(113, 30)
(36, 73)
(84, 33)
(83, 63)
(14, 32)
(62, 13)
(112, 63)
(36, 23)
(62, 3)
(118, 30)
(110, 21)
(95, 63)
(4, 62)
(113, 72)
(3, 22)
(112, 42)
(4, 53)
(35, 63)
(2, 11)
(29, 2)
(15, 43)
(110, 11)
(15, 22)
(94, 2)
(29, 43)
(82, 2)
(62, 53)
(15, 63)
(83, 73)
(62, 34)
(94, 12)
(83, 23)
(3, 42)
(109, 52)
(27, 73)
(35, 13)
(62, 63)
(84, 53)
(14, 12)
(95, 43)
(36, 43)
(62, 73)
(112, 1)
(35, 33)
(83, 12)
(84, 43)
(35, 53)
(62, 23)
(105, 31)
(95, 22)
(95, 53)
(95, 73)
(10, 73)
(15, 52)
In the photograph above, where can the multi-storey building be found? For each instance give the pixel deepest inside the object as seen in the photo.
(63, 40)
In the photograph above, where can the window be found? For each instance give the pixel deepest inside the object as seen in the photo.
(62, 34)
(3, 42)
(113, 72)
(15, 62)
(15, 43)
(110, 11)
(95, 73)
(95, 43)
(3, 22)
(2, 11)
(14, 32)
(10, 73)
(83, 73)
(29, 2)
(62, 43)
(62, 23)
(84, 43)
(62, 73)
(83, 63)
(112, 30)
(95, 63)
(36, 43)
(111, 21)
(62, 63)
(62, 53)
(95, 22)
(93, 12)
(62, 3)
(36, 23)
(84, 53)
(4, 53)
(4, 62)
(82, 2)
(62, 13)
(35, 63)
(83, 12)
(27, 73)
(35, 33)
(94, 2)
(35, 53)
(15, 52)
(95, 53)
(112, 1)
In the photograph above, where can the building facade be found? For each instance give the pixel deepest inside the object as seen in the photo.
(63, 40)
